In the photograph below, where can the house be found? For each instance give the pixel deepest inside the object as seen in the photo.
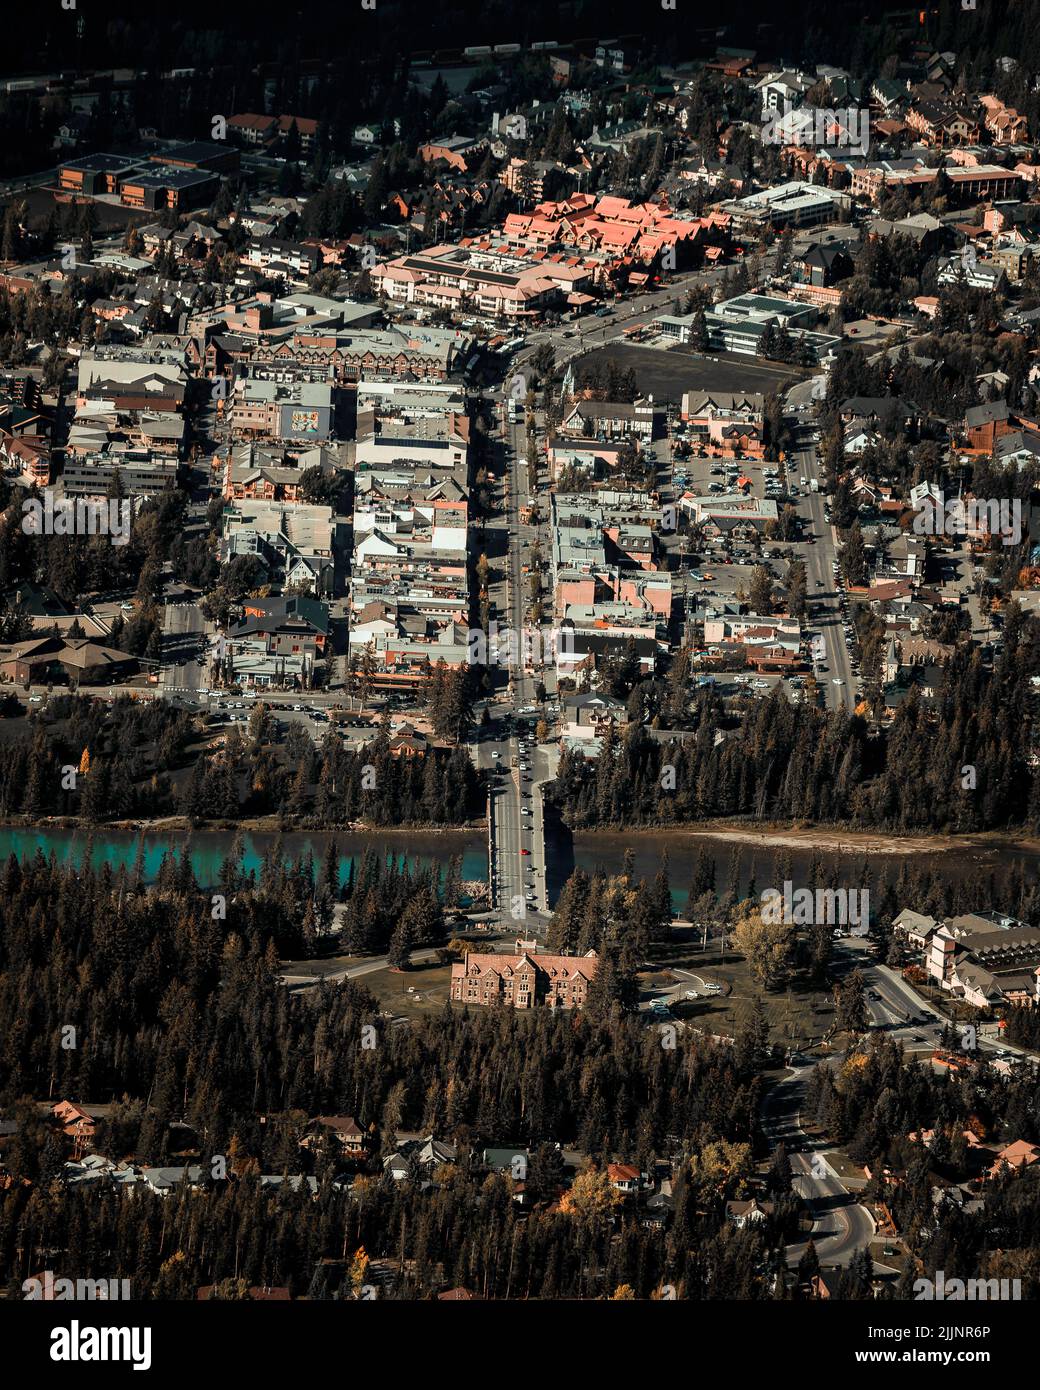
(625, 1178)
(749, 1213)
(77, 1125)
(525, 981)
(1013, 1158)
(343, 1129)
(588, 716)
(164, 1180)
(511, 1161)
(416, 1155)
(821, 264)
(916, 927)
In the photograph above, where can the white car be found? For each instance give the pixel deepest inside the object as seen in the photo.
(525, 811)
(692, 994)
(496, 754)
(836, 680)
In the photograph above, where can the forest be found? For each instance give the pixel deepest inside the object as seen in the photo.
(124, 758)
(801, 763)
(176, 1015)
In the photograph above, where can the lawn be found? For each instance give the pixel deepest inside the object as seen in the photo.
(797, 1016)
(412, 993)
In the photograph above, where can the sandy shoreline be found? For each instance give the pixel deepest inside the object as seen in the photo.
(830, 840)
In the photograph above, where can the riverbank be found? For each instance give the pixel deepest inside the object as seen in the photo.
(835, 840)
(256, 825)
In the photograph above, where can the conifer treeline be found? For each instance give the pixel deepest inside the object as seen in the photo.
(797, 762)
(145, 760)
(174, 1001)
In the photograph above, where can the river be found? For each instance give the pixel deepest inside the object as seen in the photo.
(973, 857)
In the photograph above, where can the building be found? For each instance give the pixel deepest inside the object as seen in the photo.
(297, 544)
(350, 1139)
(166, 187)
(283, 410)
(612, 419)
(94, 174)
(141, 472)
(729, 424)
(983, 962)
(794, 204)
(68, 661)
(525, 981)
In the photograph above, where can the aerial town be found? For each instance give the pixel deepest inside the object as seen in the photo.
(520, 662)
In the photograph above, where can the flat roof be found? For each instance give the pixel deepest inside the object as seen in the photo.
(163, 176)
(98, 163)
(194, 150)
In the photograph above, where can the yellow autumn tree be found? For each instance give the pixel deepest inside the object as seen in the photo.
(359, 1270)
(721, 1167)
(624, 1293)
(592, 1196)
(767, 946)
(84, 762)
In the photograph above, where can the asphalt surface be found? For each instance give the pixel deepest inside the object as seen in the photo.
(823, 587)
(518, 879)
(185, 649)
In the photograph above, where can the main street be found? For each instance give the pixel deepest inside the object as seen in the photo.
(518, 849)
(185, 649)
(823, 589)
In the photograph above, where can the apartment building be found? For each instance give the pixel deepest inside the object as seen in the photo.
(466, 280)
(407, 350)
(296, 544)
(794, 204)
(141, 473)
(396, 437)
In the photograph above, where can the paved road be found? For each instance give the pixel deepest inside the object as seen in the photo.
(518, 876)
(185, 649)
(353, 972)
(840, 1225)
(822, 587)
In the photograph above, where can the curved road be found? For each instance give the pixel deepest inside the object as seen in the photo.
(840, 1225)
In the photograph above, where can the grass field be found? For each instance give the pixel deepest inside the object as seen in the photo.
(797, 1016)
(668, 372)
(428, 984)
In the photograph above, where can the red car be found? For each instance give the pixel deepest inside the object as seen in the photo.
(525, 851)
